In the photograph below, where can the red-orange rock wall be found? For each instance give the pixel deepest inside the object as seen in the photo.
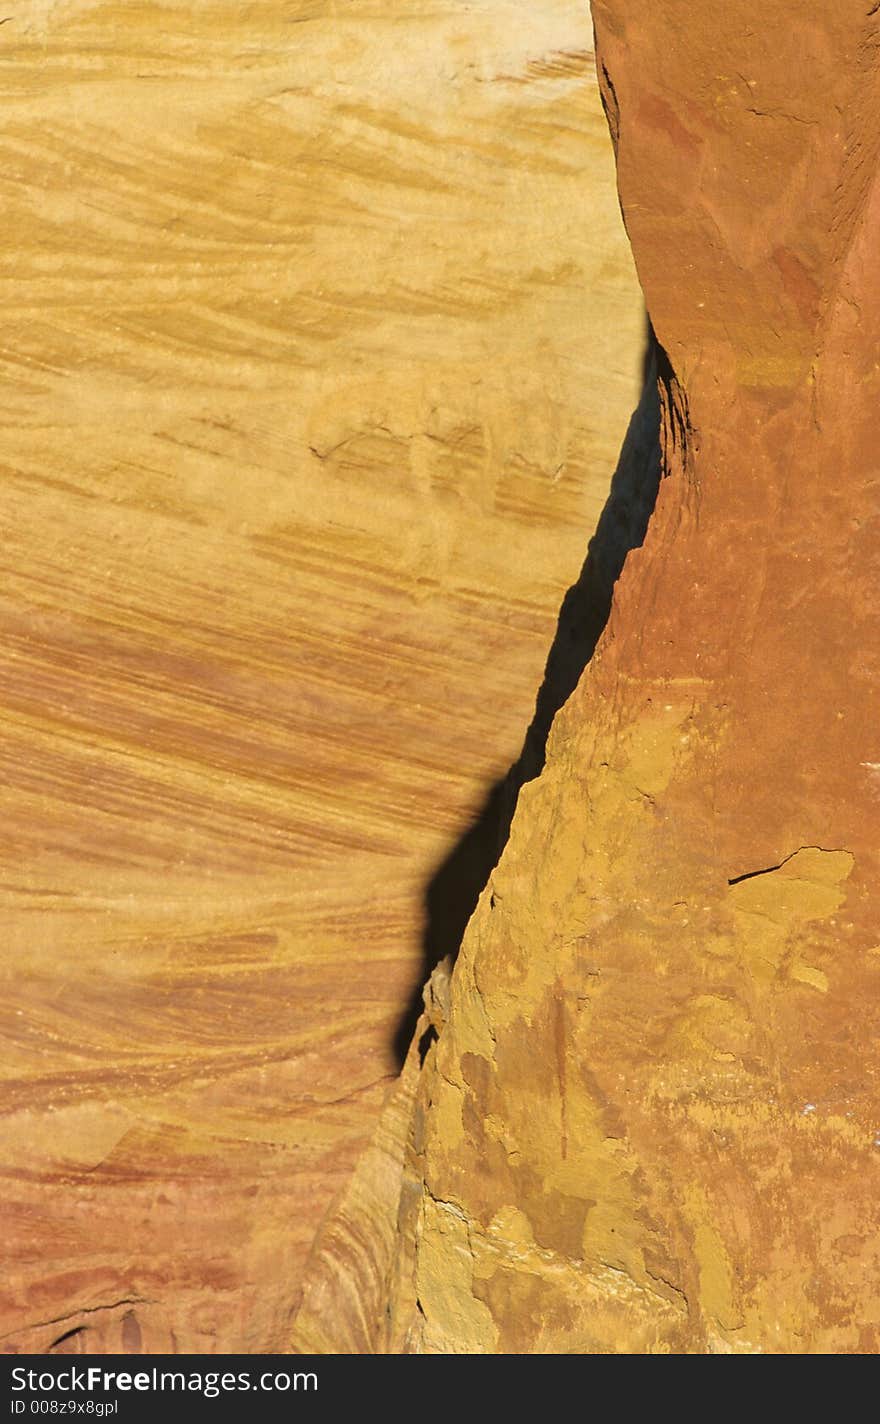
(651, 1121)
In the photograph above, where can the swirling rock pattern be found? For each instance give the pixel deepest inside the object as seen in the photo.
(320, 336)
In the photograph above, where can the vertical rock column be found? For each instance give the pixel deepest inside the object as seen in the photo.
(651, 1120)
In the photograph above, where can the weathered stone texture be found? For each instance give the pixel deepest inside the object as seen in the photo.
(652, 1119)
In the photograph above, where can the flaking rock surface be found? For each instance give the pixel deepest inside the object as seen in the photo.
(651, 1120)
(320, 336)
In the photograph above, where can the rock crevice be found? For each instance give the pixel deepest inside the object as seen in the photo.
(654, 1099)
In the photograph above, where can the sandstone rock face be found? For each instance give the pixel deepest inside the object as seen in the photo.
(651, 1121)
(320, 339)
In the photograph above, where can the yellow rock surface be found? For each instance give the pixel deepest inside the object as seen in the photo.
(320, 337)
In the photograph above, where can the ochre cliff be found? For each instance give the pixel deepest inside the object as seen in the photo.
(320, 337)
(649, 1113)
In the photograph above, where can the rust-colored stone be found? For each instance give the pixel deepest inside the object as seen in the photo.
(652, 1119)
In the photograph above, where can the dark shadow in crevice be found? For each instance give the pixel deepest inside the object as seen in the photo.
(455, 886)
(69, 1342)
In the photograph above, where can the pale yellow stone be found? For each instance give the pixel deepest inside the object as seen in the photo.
(320, 338)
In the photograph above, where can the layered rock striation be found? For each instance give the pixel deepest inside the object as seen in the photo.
(320, 337)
